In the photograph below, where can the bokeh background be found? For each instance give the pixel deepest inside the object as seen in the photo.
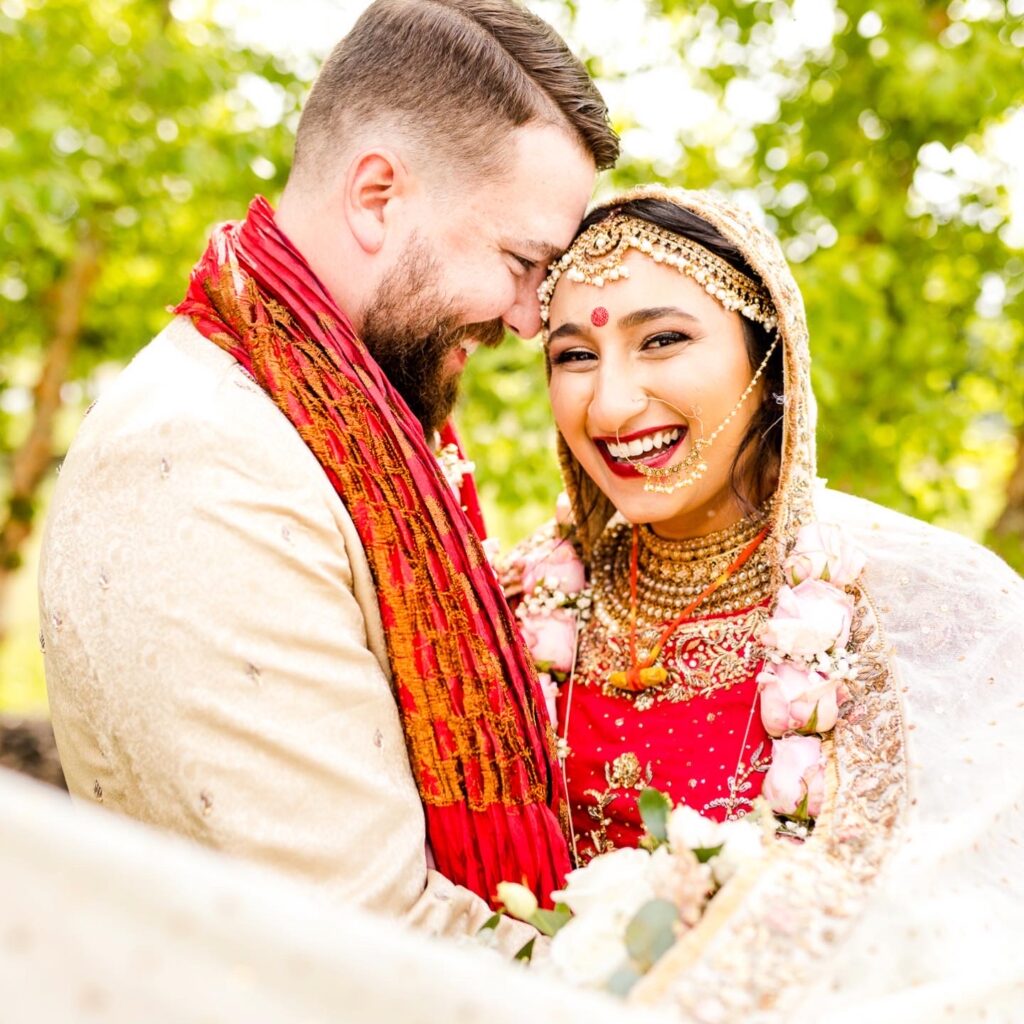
(883, 141)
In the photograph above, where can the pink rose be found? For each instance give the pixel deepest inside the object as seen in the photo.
(823, 552)
(795, 783)
(797, 698)
(809, 619)
(551, 638)
(558, 566)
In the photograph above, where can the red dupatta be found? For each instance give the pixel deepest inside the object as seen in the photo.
(466, 689)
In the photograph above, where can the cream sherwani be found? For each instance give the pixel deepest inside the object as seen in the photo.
(214, 652)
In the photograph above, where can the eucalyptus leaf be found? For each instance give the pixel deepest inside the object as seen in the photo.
(624, 978)
(705, 853)
(654, 809)
(550, 922)
(651, 933)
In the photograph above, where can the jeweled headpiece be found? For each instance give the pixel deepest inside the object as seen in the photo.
(598, 256)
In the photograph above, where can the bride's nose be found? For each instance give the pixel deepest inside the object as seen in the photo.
(618, 398)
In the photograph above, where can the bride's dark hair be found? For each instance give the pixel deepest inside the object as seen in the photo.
(755, 469)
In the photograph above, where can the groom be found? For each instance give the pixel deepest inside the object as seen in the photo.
(267, 623)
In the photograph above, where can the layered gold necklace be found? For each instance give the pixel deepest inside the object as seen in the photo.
(671, 573)
(641, 582)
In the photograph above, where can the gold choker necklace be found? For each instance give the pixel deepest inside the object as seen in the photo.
(673, 572)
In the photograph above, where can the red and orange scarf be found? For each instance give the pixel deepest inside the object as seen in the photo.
(466, 689)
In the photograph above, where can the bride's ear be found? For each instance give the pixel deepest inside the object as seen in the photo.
(375, 188)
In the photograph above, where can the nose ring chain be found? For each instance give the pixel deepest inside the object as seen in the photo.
(693, 464)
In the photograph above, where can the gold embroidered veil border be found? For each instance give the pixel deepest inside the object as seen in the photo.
(766, 931)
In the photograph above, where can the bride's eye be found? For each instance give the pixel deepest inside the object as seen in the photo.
(664, 339)
(573, 355)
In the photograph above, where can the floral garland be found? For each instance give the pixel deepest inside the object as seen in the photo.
(554, 604)
(617, 915)
(803, 685)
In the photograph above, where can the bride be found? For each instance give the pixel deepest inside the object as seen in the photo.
(746, 632)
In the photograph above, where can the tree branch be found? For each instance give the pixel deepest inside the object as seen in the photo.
(32, 459)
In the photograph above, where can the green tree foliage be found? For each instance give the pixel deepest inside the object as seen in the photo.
(871, 161)
(126, 135)
(127, 132)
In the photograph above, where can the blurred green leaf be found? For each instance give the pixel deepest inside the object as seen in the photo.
(651, 933)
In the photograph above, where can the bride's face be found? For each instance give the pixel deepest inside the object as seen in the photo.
(666, 369)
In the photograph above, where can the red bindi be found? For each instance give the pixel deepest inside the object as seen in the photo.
(599, 317)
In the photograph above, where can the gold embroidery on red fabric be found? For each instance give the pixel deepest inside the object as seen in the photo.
(702, 657)
(456, 725)
(624, 772)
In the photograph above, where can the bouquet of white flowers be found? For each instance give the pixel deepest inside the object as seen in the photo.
(621, 912)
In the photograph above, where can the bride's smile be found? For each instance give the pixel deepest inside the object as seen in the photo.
(652, 448)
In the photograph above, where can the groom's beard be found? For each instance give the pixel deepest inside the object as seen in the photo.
(411, 333)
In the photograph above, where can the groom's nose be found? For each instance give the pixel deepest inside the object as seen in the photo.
(523, 316)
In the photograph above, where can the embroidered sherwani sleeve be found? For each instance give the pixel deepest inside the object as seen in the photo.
(208, 660)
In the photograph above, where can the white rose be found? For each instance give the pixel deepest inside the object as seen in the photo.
(689, 829)
(589, 949)
(823, 552)
(810, 619)
(743, 842)
(619, 881)
(678, 877)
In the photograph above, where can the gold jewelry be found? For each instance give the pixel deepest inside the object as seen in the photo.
(597, 256)
(671, 573)
(694, 460)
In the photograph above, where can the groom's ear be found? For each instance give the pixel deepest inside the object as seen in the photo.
(376, 183)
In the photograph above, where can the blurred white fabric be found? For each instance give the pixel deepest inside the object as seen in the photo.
(105, 920)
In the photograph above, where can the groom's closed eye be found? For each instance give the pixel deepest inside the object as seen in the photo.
(528, 249)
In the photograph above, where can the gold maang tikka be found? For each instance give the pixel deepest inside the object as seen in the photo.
(597, 257)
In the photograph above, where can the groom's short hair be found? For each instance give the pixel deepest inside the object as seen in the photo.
(455, 76)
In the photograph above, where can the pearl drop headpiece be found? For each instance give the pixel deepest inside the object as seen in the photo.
(597, 256)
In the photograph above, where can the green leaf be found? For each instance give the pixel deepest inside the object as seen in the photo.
(654, 809)
(550, 922)
(705, 853)
(812, 723)
(623, 980)
(526, 952)
(491, 923)
(651, 933)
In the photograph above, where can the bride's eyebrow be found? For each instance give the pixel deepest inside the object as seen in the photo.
(566, 330)
(643, 316)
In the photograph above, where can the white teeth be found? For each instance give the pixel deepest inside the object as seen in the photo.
(642, 445)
